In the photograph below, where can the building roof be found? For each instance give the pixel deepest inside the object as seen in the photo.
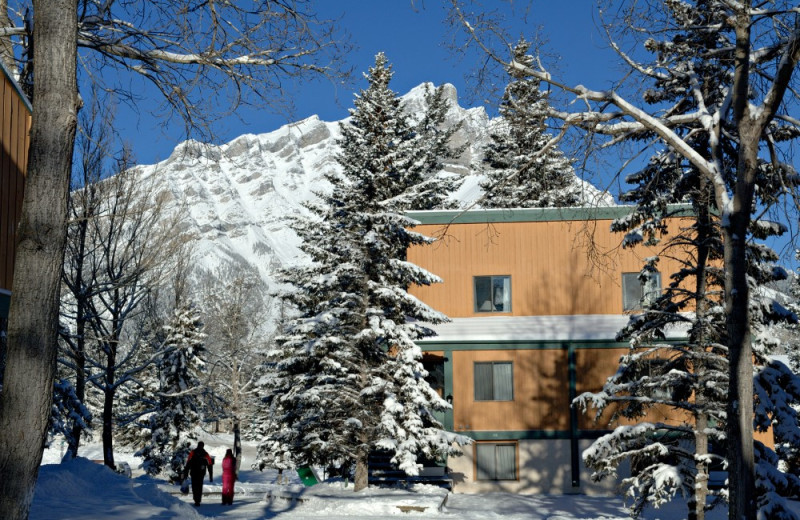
(481, 216)
(16, 86)
(588, 327)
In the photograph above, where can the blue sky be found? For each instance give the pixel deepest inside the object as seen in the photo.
(414, 36)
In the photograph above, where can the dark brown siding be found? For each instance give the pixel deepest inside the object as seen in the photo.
(16, 119)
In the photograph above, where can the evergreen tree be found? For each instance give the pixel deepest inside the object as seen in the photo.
(712, 81)
(68, 411)
(348, 376)
(670, 458)
(168, 429)
(429, 186)
(709, 117)
(519, 172)
(690, 376)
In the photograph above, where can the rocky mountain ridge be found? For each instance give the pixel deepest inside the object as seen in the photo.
(238, 198)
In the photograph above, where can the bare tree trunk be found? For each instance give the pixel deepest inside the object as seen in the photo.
(705, 234)
(697, 502)
(740, 405)
(79, 355)
(108, 427)
(27, 395)
(3, 337)
(361, 477)
(237, 444)
(80, 393)
(109, 390)
(741, 471)
(742, 502)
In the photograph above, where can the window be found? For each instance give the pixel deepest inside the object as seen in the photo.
(636, 293)
(494, 381)
(496, 461)
(492, 294)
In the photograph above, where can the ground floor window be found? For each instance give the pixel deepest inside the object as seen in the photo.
(496, 460)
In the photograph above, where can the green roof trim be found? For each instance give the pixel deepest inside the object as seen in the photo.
(488, 216)
(517, 435)
(454, 345)
(555, 344)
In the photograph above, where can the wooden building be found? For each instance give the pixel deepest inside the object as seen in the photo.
(16, 122)
(536, 298)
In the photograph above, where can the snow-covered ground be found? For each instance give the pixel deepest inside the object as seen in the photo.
(84, 490)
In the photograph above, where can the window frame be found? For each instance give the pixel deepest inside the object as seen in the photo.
(491, 384)
(482, 475)
(477, 306)
(645, 296)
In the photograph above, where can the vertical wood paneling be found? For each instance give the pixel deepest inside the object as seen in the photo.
(15, 123)
(21, 133)
(7, 195)
(594, 366)
(15, 184)
(541, 400)
(556, 267)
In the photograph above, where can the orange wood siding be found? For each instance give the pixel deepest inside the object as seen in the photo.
(16, 120)
(541, 396)
(593, 367)
(553, 268)
(541, 391)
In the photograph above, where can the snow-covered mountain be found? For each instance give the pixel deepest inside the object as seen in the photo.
(238, 197)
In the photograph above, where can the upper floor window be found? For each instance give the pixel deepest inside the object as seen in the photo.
(637, 293)
(492, 293)
(494, 381)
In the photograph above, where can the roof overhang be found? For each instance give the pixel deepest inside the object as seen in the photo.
(571, 328)
(485, 216)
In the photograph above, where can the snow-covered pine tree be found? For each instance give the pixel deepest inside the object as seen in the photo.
(68, 411)
(789, 452)
(520, 172)
(169, 428)
(313, 402)
(695, 72)
(667, 458)
(670, 458)
(430, 147)
(348, 377)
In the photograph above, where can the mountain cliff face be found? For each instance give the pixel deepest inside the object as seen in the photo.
(238, 198)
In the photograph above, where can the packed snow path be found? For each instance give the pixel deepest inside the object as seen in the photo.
(84, 490)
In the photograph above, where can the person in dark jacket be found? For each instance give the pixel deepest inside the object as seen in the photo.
(199, 460)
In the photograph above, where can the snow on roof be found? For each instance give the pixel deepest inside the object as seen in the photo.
(586, 327)
(472, 216)
(12, 78)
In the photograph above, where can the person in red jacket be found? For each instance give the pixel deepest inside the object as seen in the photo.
(228, 477)
(199, 460)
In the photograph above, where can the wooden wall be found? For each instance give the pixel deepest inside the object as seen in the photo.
(16, 120)
(556, 267)
(593, 367)
(541, 391)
